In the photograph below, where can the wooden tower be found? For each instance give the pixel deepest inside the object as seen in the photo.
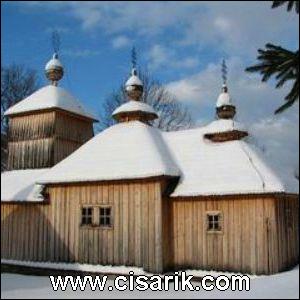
(47, 126)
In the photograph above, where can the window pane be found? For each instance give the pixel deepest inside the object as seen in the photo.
(102, 211)
(105, 216)
(102, 221)
(86, 216)
(107, 221)
(214, 222)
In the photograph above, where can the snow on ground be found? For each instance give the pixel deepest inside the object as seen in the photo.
(284, 285)
(107, 269)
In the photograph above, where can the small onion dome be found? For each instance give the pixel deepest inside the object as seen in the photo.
(224, 107)
(135, 111)
(54, 69)
(134, 86)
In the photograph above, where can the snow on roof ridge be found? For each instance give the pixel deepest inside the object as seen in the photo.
(224, 99)
(135, 150)
(54, 62)
(222, 168)
(284, 181)
(50, 96)
(128, 150)
(133, 79)
(134, 106)
(223, 125)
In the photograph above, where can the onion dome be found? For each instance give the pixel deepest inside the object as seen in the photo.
(134, 109)
(225, 128)
(134, 86)
(54, 69)
(224, 107)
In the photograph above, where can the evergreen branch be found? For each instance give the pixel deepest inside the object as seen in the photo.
(290, 5)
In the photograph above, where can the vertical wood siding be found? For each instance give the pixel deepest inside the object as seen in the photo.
(42, 139)
(53, 232)
(287, 214)
(255, 237)
(260, 235)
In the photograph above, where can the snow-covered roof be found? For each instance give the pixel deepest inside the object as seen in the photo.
(223, 125)
(128, 150)
(47, 97)
(233, 167)
(53, 63)
(135, 150)
(134, 106)
(224, 99)
(19, 185)
(133, 79)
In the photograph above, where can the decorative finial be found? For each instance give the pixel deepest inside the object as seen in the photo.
(133, 57)
(224, 72)
(54, 69)
(134, 85)
(133, 72)
(55, 39)
(224, 107)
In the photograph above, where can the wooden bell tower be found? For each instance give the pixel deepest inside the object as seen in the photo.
(47, 126)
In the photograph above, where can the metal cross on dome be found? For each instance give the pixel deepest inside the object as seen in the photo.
(224, 72)
(133, 57)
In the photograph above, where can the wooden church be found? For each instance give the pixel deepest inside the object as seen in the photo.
(133, 195)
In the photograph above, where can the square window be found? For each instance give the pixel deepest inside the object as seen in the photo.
(214, 222)
(87, 216)
(105, 216)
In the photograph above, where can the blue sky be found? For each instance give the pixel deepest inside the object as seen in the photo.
(182, 43)
(174, 40)
(96, 60)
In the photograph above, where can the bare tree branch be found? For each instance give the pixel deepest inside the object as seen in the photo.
(172, 114)
(16, 84)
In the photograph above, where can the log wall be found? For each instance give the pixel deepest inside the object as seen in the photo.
(42, 139)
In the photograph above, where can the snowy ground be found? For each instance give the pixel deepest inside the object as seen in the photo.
(284, 285)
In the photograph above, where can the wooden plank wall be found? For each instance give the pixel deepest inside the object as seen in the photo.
(53, 233)
(68, 127)
(258, 237)
(250, 242)
(33, 126)
(42, 139)
(287, 210)
(30, 141)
